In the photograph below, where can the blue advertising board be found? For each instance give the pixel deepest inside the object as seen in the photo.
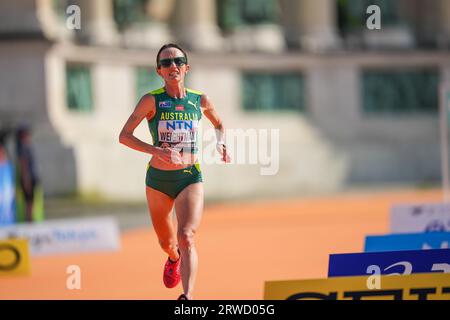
(407, 241)
(7, 195)
(389, 263)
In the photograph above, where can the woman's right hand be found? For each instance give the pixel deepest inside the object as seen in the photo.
(169, 155)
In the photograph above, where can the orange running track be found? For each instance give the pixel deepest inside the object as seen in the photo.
(240, 246)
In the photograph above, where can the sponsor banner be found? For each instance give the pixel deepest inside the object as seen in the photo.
(7, 194)
(407, 241)
(425, 217)
(67, 236)
(421, 286)
(14, 257)
(389, 263)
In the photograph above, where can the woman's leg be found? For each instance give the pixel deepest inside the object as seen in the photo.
(189, 209)
(160, 206)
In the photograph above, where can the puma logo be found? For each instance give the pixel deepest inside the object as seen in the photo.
(188, 171)
(193, 104)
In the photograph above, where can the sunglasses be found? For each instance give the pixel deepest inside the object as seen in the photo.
(179, 61)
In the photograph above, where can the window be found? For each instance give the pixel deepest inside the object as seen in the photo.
(235, 13)
(403, 91)
(147, 80)
(79, 88)
(352, 14)
(127, 12)
(272, 92)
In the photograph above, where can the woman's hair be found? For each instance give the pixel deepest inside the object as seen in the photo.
(169, 45)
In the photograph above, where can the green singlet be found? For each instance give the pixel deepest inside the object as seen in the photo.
(176, 121)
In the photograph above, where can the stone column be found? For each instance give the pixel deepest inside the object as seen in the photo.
(97, 22)
(52, 24)
(310, 24)
(195, 25)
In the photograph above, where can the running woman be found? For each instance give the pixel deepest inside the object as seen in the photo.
(173, 177)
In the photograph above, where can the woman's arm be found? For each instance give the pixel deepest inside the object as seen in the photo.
(145, 109)
(210, 112)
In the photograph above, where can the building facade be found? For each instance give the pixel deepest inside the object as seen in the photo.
(352, 105)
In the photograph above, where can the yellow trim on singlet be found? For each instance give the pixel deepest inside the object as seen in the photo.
(158, 91)
(162, 90)
(193, 91)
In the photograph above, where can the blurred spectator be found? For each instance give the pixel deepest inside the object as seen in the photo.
(7, 202)
(29, 192)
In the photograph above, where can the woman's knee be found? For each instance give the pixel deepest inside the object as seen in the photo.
(186, 238)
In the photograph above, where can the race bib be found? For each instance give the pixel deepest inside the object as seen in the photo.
(179, 134)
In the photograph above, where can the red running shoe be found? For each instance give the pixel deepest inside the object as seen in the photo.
(172, 274)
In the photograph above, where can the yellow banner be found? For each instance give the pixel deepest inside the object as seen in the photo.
(14, 257)
(420, 286)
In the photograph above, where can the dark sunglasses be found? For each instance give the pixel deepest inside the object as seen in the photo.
(179, 61)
